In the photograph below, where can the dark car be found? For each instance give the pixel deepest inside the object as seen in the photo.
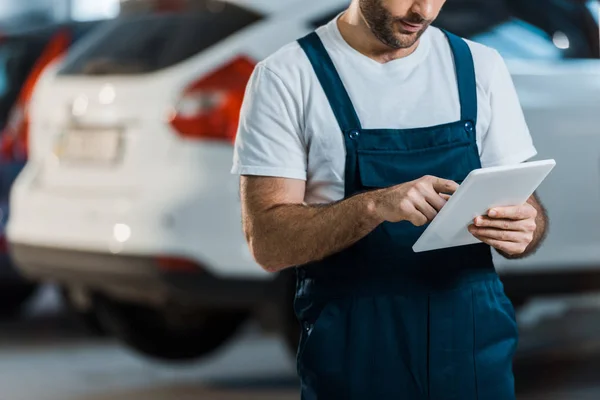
(542, 26)
(23, 56)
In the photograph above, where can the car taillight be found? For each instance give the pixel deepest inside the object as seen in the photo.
(210, 107)
(14, 142)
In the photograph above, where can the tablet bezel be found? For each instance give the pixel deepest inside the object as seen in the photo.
(431, 239)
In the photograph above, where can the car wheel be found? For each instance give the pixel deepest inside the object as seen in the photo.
(168, 336)
(518, 302)
(13, 298)
(88, 318)
(291, 326)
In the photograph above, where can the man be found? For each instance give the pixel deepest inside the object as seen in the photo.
(350, 141)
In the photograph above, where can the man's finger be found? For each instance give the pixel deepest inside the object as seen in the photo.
(497, 234)
(505, 224)
(436, 200)
(445, 196)
(414, 216)
(444, 185)
(506, 247)
(426, 209)
(418, 219)
(513, 212)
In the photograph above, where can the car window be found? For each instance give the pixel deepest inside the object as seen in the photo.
(150, 42)
(533, 29)
(518, 39)
(530, 29)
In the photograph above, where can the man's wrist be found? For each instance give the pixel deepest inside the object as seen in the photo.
(372, 205)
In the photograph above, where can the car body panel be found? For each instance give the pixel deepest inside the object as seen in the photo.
(177, 197)
(30, 45)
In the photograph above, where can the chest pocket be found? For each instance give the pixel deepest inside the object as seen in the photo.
(386, 168)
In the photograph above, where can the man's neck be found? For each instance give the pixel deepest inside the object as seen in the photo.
(358, 35)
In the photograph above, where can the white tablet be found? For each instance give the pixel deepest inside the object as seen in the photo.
(483, 189)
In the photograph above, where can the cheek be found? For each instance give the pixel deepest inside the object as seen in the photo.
(397, 8)
(428, 9)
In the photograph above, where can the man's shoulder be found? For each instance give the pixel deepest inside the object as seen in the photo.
(287, 63)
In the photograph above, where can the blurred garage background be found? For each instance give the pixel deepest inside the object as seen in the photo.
(123, 269)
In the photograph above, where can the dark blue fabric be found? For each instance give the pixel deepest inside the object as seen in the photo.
(335, 90)
(467, 87)
(380, 321)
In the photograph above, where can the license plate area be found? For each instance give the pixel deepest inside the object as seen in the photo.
(90, 145)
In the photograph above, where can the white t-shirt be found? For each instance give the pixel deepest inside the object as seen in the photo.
(288, 129)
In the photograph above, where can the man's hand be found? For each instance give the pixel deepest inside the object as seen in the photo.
(510, 230)
(418, 201)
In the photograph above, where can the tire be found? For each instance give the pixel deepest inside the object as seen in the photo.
(87, 319)
(149, 332)
(14, 298)
(518, 302)
(291, 326)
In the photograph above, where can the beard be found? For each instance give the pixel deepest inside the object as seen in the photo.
(388, 28)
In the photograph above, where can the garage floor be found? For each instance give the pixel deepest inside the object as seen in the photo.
(45, 357)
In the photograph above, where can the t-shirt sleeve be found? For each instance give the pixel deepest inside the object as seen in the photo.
(269, 140)
(508, 140)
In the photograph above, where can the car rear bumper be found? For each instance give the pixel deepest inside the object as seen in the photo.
(196, 215)
(137, 278)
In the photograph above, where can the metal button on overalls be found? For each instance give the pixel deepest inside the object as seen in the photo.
(382, 322)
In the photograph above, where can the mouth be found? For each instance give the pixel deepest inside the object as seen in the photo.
(408, 27)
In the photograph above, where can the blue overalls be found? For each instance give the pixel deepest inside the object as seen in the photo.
(379, 321)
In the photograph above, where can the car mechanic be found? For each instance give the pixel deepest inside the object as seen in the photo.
(350, 141)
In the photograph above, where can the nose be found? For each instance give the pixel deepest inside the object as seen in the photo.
(425, 8)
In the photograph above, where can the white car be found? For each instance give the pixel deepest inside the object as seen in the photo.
(127, 200)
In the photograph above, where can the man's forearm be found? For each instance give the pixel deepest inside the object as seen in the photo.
(297, 234)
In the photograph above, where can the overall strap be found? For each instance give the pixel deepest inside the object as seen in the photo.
(465, 75)
(331, 82)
